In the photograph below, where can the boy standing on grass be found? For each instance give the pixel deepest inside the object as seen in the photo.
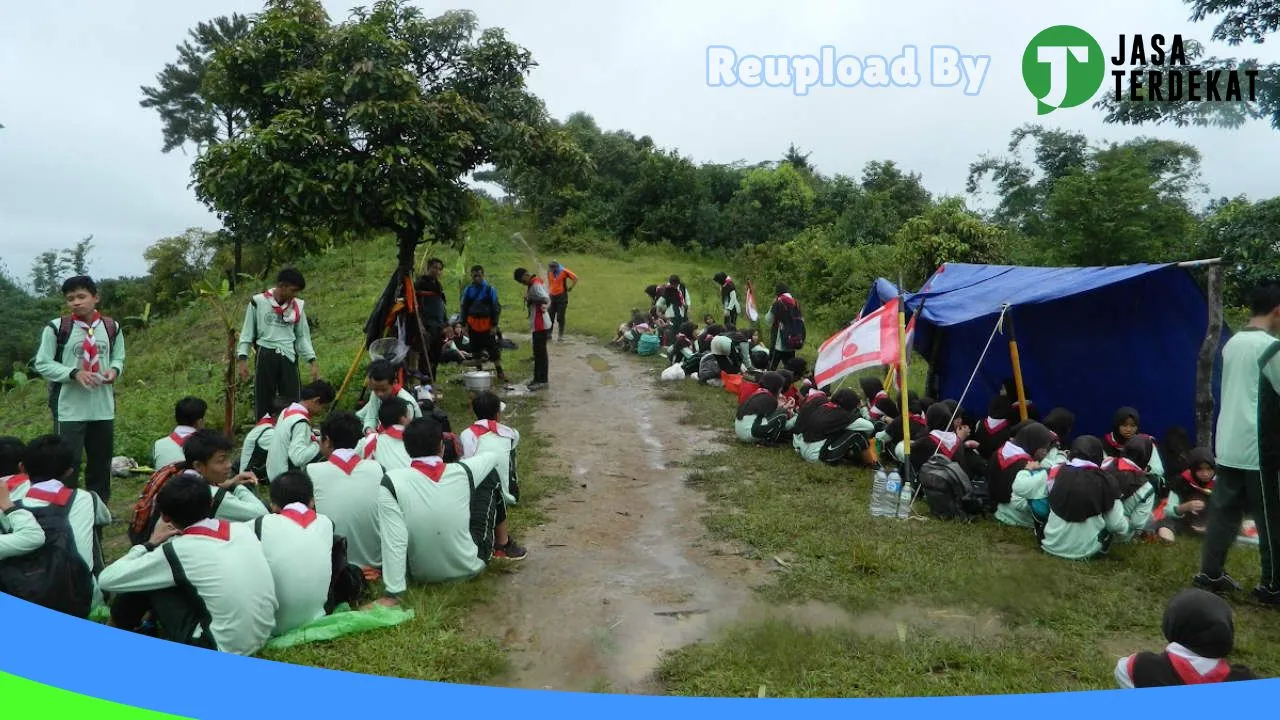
(537, 300)
(275, 326)
(82, 356)
(189, 416)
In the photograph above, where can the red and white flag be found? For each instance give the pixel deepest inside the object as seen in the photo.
(752, 314)
(871, 341)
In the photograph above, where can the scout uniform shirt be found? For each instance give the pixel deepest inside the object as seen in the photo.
(426, 523)
(490, 436)
(284, 330)
(86, 513)
(224, 563)
(75, 403)
(17, 485)
(369, 413)
(293, 444)
(253, 455)
(298, 545)
(168, 449)
(240, 504)
(386, 448)
(346, 491)
(20, 532)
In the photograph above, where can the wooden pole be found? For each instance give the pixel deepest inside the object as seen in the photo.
(1205, 361)
(1017, 365)
(350, 372)
(903, 409)
(230, 389)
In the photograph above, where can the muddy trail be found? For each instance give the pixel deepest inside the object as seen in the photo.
(623, 570)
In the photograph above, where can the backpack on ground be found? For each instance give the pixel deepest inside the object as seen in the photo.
(946, 488)
(54, 576)
(346, 583)
(62, 333)
(145, 516)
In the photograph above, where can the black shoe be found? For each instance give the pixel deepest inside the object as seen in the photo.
(1220, 585)
(1266, 596)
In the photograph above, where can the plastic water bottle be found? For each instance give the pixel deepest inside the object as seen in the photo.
(904, 502)
(887, 497)
(877, 492)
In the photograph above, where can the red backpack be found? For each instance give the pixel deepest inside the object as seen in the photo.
(144, 510)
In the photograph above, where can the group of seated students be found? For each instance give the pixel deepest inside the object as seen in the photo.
(217, 567)
(1077, 495)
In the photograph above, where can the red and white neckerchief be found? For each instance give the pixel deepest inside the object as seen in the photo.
(1193, 669)
(1121, 465)
(296, 409)
(266, 420)
(290, 313)
(13, 481)
(1008, 454)
(432, 467)
(299, 513)
(993, 425)
(345, 459)
(50, 491)
(210, 528)
(483, 427)
(180, 434)
(1082, 463)
(947, 442)
(90, 362)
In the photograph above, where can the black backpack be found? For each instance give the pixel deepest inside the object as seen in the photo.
(62, 333)
(346, 581)
(53, 576)
(946, 488)
(793, 329)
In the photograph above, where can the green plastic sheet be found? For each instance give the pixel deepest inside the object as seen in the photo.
(344, 621)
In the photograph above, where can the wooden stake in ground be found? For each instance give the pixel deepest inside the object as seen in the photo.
(1208, 352)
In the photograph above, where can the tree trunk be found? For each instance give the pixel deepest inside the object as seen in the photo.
(1205, 363)
(235, 273)
(407, 240)
(230, 391)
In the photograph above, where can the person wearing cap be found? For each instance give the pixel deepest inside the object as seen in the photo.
(1201, 633)
(560, 280)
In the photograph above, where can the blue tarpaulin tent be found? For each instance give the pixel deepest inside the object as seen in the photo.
(1089, 339)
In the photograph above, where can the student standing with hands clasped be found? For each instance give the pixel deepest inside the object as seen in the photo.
(537, 300)
(82, 356)
(275, 326)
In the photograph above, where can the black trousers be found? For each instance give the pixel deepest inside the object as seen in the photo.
(93, 443)
(1236, 492)
(540, 360)
(558, 305)
(274, 375)
(777, 357)
(488, 511)
(177, 617)
(731, 317)
(435, 346)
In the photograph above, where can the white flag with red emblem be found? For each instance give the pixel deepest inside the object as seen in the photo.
(871, 341)
(752, 314)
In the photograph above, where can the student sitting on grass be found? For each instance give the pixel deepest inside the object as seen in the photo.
(717, 361)
(993, 431)
(830, 430)
(1182, 513)
(453, 350)
(708, 334)
(294, 444)
(1085, 511)
(346, 489)
(760, 419)
(1132, 479)
(20, 532)
(1060, 422)
(872, 389)
(1016, 477)
(189, 415)
(298, 545)
(1009, 388)
(204, 582)
(208, 457)
(488, 434)
(682, 348)
(387, 447)
(437, 521)
(12, 478)
(1124, 426)
(48, 461)
(253, 454)
(383, 387)
(1201, 634)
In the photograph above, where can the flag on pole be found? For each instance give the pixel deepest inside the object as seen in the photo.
(752, 315)
(869, 342)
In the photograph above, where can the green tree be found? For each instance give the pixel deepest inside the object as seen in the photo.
(25, 314)
(1247, 237)
(176, 264)
(771, 205)
(1238, 21)
(51, 267)
(1023, 186)
(370, 125)
(946, 232)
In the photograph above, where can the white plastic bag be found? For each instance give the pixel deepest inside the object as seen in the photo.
(675, 372)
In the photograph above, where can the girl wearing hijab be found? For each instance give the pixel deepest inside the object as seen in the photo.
(717, 361)
(1060, 422)
(1124, 425)
(1201, 633)
(682, 347)
(1137, 494)
(831, 430)
(1182, 513)
(760, 419)
(785, 309)
(872, 388)
(996, 428)
(1016, 478)
(1085, 511)
(1009, 388)
(728, 297)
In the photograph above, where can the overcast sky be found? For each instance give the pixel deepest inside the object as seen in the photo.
(78, 156)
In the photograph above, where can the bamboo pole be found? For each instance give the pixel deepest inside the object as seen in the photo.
(1017, 365)
(347, 380)
(1205, 361)
(903, 410)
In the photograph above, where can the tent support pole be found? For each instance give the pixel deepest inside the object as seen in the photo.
(903, 410)
(1205, 362)
(1017, 366)
(352, 371)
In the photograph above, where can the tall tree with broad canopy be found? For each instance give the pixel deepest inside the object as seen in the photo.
(371, 125)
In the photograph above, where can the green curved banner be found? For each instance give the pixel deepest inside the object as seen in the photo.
(35, 699)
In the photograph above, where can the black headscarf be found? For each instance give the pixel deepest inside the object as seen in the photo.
(938, 416)
(1060, 422)
(1185, 482)
(1115, 443)
(829, 417)
(1079, 493)
(1087, 447)
(762, 403)
(1032, 437)
(871, 386)
(888, 408)
(1201, 622)
(999, 408)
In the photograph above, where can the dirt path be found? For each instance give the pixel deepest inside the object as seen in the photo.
(623, 545)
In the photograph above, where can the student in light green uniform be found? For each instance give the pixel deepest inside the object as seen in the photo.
(208, 457)
(760, 419)
(1060, 422)
(294, 444)
(387, 447)
(257, 443)
(437, 521)
(276, 329)
(12, 478)
(1085, 510)
(298, 544)
(83, 378)
(488, 434)
(382, 387)
(189, 416)
(1018, 468)
(20, 533)
(346, 489)
(1137, 493)
(205, 582)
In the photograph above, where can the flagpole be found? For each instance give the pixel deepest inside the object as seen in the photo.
(1017, 365)
(903, 409)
